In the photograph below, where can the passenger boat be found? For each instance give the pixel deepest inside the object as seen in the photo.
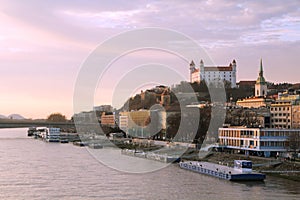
(242, 170)
(53, 135)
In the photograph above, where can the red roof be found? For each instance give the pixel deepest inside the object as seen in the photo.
(196, 70)
(218, 68)
(296, 86)
(247, 83)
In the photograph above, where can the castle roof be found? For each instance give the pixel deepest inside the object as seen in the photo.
(196, 71)
(218, 68)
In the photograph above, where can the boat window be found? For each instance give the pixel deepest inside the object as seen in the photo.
(247, 165)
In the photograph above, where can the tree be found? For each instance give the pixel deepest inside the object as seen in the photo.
(173, 122)
(56, 117)
(227, 84)
(294, 143)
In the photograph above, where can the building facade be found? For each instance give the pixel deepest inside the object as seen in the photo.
(123, 122)
(108, 119)
(296, 116)
(254, 102)
(260, 141)
(143, 123)
(281, 114)
(213, 74)
(285, 112)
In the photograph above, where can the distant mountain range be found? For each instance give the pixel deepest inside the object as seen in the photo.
(12, 116)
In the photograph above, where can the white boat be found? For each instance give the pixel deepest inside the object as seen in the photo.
(242, 170)
(53, 135)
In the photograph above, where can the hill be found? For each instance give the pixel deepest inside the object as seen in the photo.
(16, 116)
(3, 117)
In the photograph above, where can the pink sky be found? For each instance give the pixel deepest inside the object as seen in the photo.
(43, 43)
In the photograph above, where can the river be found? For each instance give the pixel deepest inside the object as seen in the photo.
(33, 169)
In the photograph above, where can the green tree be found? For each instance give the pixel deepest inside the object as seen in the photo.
(57, 117)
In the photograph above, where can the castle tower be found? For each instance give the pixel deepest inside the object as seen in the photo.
(201, 65)
(233, 81)
(261, 84)
(201, 69)
(192, 66)
(234, 65)
(192, 70)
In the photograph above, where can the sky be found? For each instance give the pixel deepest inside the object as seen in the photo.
(43, 44)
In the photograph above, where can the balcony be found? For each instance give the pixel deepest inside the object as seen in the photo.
(273, 138)
(272, 148)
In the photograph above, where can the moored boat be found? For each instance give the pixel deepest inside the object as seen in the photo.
(80, 143)
(53, 135)
(242, 170)
(95, 146)
(30, 131)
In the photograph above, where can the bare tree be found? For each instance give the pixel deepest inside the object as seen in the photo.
(57, 117)
(294, 143)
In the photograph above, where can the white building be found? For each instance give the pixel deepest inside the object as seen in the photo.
(257, 140)
(213, 74)
(123, 123)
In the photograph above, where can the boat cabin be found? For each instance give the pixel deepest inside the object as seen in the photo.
(244, 166)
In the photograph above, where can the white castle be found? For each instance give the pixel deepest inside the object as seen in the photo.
(213, 74)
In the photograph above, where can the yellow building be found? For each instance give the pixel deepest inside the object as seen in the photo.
(136, 122)
(108, 120)
(254, 102)
(142, 123)
(281, 114)
(296, 116)
(285, 112)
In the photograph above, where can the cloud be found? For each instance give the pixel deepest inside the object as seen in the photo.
(52, 38)
(105, 19)
(213, 19)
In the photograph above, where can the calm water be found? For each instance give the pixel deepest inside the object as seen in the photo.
(32, 169)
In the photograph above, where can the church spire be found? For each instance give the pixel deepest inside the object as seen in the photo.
(261, 87)
(261, 71)
(261, 78)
